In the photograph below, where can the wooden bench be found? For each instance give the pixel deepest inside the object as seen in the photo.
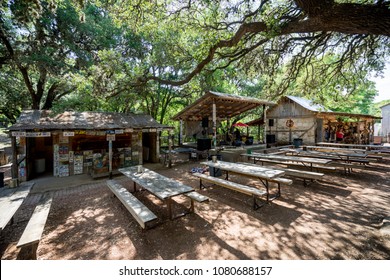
(195, 196)
(340, 157)
(316, 167)
(348, 167)
(373, 157)
(302, 174)
(274, 149)
(254, 192)
(137, 209)
(33, 232)
(279, 181)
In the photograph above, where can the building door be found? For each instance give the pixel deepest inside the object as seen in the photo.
(319, 130)
(149, 147)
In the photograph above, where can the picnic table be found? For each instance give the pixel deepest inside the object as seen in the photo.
(162, 187)
(337, 149)
(168, 157)
(265, 175)
(289, 160)
(336, 154)
(362, 146)
(253, 171)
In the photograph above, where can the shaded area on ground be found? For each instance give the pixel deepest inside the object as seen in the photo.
(338, 217)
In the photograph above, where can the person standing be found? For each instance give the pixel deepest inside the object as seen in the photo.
(339, 135)
(327, 134)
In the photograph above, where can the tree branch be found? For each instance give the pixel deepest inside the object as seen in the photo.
(320, 16)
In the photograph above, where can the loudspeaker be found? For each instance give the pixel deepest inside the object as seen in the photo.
(203, 144)
(205, 122)
(271, 138)
(271, 122)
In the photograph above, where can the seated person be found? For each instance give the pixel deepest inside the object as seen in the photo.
(237, 134)
(237, 138)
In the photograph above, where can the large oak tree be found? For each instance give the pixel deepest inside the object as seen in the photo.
(45, 43)
(268, 34)
(176, 45)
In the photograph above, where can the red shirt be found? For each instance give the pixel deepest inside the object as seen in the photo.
(339, 134)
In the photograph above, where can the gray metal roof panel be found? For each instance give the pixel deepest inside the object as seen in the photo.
(308, 104)
(36, 119)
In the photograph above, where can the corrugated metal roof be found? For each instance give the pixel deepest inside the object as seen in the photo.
(388, 104)
(227, 105)
(42, 119)
(308, 104)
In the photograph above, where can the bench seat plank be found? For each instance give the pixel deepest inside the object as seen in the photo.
(231, 185)
(283, 181)
(330, 168)
(295, 172)
(197, 197)
(254, 192)
(136, 208)
(34, 229)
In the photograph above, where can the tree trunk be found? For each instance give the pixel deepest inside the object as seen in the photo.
(51, 95)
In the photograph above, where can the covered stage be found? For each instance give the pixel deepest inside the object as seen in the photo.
(202, 117)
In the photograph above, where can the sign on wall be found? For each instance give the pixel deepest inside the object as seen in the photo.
(38, 134)
(68, 133)
(18, 134)
(289, 123)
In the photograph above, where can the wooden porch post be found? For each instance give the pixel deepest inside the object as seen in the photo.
(110, 158)
(14, 169)
(214, 124)
(140, 150)
(265, 125)
(359, 132)
(181, 133)
(170, 133)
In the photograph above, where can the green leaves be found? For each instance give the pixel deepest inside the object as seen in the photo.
(157, 56)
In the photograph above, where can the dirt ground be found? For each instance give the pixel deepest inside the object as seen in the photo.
(338, 217)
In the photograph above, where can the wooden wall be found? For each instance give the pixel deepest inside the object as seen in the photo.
(304, 123)
(385, 130)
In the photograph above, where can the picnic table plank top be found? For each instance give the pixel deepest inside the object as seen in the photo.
(340, 149)
(353, 145)
(290, 158)
(331, 154)
(157, 184)
(10, 203)
(255, 171)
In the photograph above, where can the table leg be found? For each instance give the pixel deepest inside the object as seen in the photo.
(169, 206)
(170, 212)
(265, 183)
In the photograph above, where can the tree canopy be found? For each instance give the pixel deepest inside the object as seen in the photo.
(153, 55)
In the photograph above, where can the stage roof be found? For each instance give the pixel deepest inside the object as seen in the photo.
(227, 105)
